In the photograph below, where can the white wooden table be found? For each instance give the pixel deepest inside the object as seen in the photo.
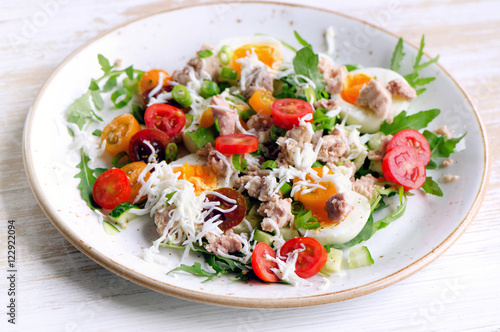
(60, 289)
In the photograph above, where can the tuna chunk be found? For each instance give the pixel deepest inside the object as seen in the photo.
(328, 104)
(225, 243)
(259, 78)
(225, 115)
(379, 154)
(400, 88)
(162, 219)
(260, 123)
(338, 207)
(257, 186)
(217, 164)
(205, 151)
(210, 66)
(365, 185)
(277, 211)
(449, 178)
(447, 162)
(377, 98)
(334, 146)
(333, 75)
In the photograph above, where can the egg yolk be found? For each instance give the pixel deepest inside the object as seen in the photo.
(316, 199)
(268, 54)
(200, 176)
(351, 86)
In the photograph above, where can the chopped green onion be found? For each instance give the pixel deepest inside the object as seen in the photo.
(310, 95)
(118, 157)
(269, 164)
(225, 55)
(131, 85)
(228, 73)
(171, 152)
(97, 133)
(182, 95)
(216, 126)
(304, 219)
(285, 188)
(257, 153)
(353, 67)
(323, 95)
(321, 121)
(138, 113)
(209, 89)
(205, 53)
(239, 163)
(118, 94)
(97, 116)
(202, 136)
(189, 120)
(317, 164)
(297, 207)
(246, 114)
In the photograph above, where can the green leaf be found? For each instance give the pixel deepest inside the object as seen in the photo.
(87, 180)
(93, 85)
(270, 164)
(423, 80)
(431, 187)
(97, 99)
(431, 165)
(104, 62)
(239, 163)
(138, 113)
(97, 133)
(80, 110)
(397, 56)
(110, 84)
(130, 72)
(364, 235)
(196, 270)
(301, 40)
(440, 146)
(416, 121)
(306, 63)
(351, 67)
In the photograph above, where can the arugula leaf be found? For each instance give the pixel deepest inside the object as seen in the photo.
(97, 99)
(196, 270)
(87, 179)
(239, 163)
(301, 40)
(97, 132)
(80, 110)
(110, 84)
(364, 235)
(130, 72)
(440, 146)
(397, 56)
(93, 85)
(431, 187)
(414, 78)
(415, 121)
(322, 121)
(306, 63)
(104, 62)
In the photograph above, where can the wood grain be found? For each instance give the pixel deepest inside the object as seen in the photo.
(60, 289)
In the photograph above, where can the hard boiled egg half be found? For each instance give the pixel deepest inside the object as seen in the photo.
(365, 117)
(329, 232)
(268, 50)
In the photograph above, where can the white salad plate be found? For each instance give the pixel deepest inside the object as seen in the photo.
(167, 40)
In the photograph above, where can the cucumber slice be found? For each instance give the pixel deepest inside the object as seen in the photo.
(121, 214)
(252, 217)
(375, 142)
(359, 257)
(110, 229)
(376, 166)
(289, 233)
(334, 261)
(261, 236)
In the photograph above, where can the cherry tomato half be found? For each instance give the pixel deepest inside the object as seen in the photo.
(166, 118)
(236, 144)
(261, 265)
(229, 219)
(414, 139)
(309, 261)
(118, 133)
(402, 165)
(141, 143)
(133, 170)
(150, 80)
(288, 112)
(111, 188)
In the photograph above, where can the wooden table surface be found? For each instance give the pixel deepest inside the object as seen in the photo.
(60, 289)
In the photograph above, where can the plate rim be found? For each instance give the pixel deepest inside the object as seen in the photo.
(245, 302)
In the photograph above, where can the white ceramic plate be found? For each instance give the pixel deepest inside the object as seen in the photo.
(167, 40)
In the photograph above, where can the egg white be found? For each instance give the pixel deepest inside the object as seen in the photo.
(370, 122)
(237, 42)
(348, 228)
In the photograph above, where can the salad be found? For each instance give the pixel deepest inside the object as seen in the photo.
(271, 161)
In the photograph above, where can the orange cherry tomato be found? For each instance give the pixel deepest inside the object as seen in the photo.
(315, 200)
(118, 133)
(133, 170)
(207, 118)
(111, 188)
(310, 260)
(150, 80)
(261, 265)
(262, 102)
(351, 86)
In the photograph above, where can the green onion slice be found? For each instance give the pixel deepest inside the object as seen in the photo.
(205, 54)
(209, 89)
(181, 95)
(225, 55)
(228, 73)
(123, 95)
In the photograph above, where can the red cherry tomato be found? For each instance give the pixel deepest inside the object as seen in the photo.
(414, 139)
(288, 112)
(111, 188)
(166, 118)
(236, 143)
(140, 145)
(261, 265)
(229, 219)
(309, 261)
(402, 165)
